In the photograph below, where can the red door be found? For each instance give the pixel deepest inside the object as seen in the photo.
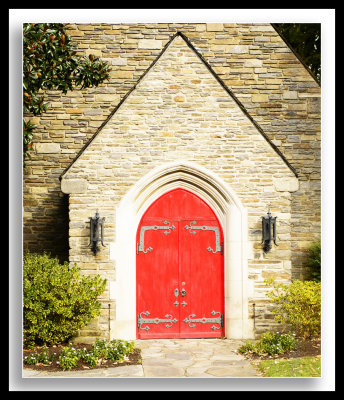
(179, 269)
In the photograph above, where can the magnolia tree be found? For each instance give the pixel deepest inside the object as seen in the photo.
(50, 62)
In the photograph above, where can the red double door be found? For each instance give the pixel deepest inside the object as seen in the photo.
(179, 269)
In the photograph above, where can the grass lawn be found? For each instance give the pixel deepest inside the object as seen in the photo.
(293, 367)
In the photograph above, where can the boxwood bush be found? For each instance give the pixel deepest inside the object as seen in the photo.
(57, 300)
(298, 306)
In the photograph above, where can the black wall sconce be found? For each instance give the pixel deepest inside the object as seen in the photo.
(96, 224)
(268, 231)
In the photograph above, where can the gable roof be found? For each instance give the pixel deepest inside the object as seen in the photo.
(210, 69)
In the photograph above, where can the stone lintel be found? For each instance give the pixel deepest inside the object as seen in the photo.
(69, 186)
(286, 184)
(47, 148)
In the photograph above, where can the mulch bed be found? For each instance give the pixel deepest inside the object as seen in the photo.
(133, 359)
(311, 348)
(305, 348)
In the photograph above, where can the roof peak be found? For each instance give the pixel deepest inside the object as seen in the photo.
(210, 69)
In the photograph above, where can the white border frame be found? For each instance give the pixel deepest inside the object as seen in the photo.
(233, 218)
(324, 16)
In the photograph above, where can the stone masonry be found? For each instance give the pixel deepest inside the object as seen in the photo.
(230, 97)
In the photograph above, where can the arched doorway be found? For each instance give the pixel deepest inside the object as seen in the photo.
(179, 269)
(232, 216)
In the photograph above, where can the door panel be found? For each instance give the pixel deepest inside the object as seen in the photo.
(180, 286)
(157, 278)
(201, 271)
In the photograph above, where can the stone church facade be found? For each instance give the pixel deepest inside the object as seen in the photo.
(225, 113)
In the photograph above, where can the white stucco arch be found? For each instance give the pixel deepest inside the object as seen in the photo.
(233, 217)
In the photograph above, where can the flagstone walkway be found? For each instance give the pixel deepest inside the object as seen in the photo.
(170, 358)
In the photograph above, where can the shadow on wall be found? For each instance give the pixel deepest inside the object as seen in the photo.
(48, 229)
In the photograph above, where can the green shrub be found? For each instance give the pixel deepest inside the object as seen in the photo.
(314, 262)
(247, 348)
(276, 343)
(270, 344)
(90, 357)
(114, 350)
(57, 300)
(42, 357)
(117, 349)
(298, 306)
(69, 357)
(100, 348)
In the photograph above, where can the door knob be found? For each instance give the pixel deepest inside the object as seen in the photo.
(176, 292)
(183, 292)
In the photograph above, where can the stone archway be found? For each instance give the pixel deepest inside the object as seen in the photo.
(233, 218)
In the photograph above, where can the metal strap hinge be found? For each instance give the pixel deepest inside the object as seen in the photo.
(215, 229)
(140, 247)
(168, 319)
(218, 320)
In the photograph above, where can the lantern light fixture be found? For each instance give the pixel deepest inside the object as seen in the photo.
(268, 231)
(96, 225)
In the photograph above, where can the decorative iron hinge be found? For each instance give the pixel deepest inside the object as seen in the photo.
(215, 229)
(141, 246)
(218, 320)
(141, 320)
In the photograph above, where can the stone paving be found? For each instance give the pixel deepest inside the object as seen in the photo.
(170, 358)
